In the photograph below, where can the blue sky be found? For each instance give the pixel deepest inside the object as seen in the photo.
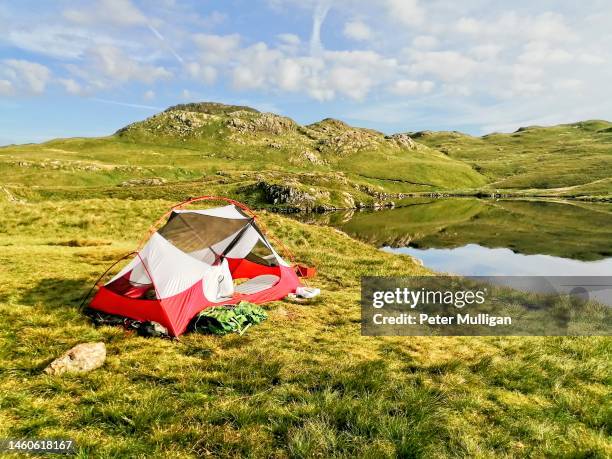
(87, 68)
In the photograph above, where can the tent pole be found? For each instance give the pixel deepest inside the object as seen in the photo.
(100, 278)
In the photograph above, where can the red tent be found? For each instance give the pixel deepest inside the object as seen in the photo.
(192, 262)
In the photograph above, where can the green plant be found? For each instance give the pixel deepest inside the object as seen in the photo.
(220, 320)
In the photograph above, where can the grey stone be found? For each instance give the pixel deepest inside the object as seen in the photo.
(81, 358)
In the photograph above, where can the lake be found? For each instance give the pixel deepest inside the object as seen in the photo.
(485, 237)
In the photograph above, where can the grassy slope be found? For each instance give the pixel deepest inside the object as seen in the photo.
(183, 150)
(302, 384)
(569, 159)
(564, 160)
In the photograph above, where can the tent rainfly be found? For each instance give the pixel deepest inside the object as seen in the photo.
(191, 263)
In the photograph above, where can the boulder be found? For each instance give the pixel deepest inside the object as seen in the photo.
(285, 194)
(262, 122)
(154, 181)
(402, 140)
(312, 157)
(81, 358)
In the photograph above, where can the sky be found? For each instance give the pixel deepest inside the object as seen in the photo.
(87, 68)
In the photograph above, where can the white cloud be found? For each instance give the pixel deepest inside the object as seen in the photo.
(206, 74)
(24, 76)
(357, 30)
(121, 13)
(486, 51)
(290, 75)
(568, 84)
(289, 43)
(407, 12)
(255, 66)
(470, 26)
(445, 65)
(125, 104)
(117, 67)
(423, 42)
(411, 87)
(6, 88)
(318, 16)
(587, 58)
(149, 95)
(216, 48)
(350, 81)
(289, 39)
(51, 40)
(541, 52)
(71, 86)
(545, 26)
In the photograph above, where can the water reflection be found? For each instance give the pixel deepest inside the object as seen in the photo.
(475, 260)
(488, 237)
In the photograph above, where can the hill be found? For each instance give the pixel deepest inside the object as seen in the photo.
(567, 160)
(270, 160)
(256, 155)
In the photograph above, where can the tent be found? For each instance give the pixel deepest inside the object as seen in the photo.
(192, 262)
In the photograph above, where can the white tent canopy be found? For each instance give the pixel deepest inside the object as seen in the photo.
(194, 245)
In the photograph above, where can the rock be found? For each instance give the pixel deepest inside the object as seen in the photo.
(402, 141)
(153, 329)
(285, 194)
(312, 157)
(175, 123)
(261, 122)
(10, 197)
(211, 108)
(145, 181)
(80, 359)
(348, 200)
(420, 134)
(335, 136)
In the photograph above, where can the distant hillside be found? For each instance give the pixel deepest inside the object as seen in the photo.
(268, 159)
(568, 159)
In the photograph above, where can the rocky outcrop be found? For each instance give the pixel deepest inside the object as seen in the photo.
(175, 123)
(56, 164)
(285, 194)
(265, 122)
(307, 157)
(80, 359)
(402, 140)
(337, 137)
(211, 108)
(315, 143)
(153, 181)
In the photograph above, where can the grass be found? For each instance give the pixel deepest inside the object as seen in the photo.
(183, 147)
(302, 384)
(568, 159)
(333, 163)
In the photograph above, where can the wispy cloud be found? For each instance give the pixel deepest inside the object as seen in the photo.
(126, 104)
(165, 43)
